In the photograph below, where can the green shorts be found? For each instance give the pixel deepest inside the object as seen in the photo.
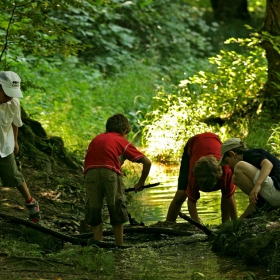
(101, 183)
(9, 173)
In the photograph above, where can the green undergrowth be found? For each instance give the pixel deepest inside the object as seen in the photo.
(255, 240)
(87, 259)
(74, 101)
(226, 99)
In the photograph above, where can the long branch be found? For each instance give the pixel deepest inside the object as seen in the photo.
(8, 27)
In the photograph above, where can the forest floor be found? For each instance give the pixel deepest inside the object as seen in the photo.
(61, 196)
(62, 199)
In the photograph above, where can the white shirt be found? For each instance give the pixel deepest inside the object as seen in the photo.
(9, 113)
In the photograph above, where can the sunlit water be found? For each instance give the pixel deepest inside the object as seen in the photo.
(151, 205)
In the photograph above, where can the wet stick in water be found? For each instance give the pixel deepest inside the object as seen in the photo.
(144, 187)
(195, 223)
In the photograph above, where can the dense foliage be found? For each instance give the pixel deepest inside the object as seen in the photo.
(116, 31)
(28, 27)
(83, 61)
(219, 100)
(142, 44)
(105, 34)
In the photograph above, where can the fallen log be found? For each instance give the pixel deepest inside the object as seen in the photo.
(86, 239)
(61, 236)
(141, 229)
(38, 227)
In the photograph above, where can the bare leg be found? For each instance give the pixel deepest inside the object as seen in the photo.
(243, 176)
(23, 189)
(97, 232)
(175, 205)
(118, 233)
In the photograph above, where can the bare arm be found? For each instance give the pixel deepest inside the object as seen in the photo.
(266, 167)
(228, 208)
(145, 172)
(193, 211)
(15, 130)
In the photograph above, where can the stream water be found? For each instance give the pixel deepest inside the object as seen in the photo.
(151, 205)
(180, 260)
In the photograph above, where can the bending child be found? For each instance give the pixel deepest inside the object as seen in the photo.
(255, 171)
(200, 171)
(103, 176)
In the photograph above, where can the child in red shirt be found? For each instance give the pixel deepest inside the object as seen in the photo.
(102, 170)
(200, 171)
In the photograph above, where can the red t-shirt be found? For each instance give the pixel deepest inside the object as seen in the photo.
(202, 145)
(105, 149)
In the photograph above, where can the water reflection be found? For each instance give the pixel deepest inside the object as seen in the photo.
(151, 205)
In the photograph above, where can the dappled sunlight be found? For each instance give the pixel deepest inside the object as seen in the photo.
(5, 189)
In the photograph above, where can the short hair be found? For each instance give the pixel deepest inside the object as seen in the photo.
(118, 123)
(239, 151)
(207, 172)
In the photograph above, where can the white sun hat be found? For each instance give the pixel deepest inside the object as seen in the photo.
(10, 82)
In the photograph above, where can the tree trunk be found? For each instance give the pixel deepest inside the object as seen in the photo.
(230, 9)
(270, 42)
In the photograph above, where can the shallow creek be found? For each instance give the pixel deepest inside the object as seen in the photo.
(151, 205)
(179, 257)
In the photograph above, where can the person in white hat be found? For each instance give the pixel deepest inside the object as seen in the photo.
(256, 172)
(10, 120)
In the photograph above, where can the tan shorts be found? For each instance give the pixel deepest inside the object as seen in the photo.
(9, 173)
(100, 183)
(268, 191)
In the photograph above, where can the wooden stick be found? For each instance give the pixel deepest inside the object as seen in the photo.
(195, 223)
(144, 187)
(38, 227)
(141, 229)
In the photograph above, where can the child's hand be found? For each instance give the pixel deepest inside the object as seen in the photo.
(16, 149)
(253, 197)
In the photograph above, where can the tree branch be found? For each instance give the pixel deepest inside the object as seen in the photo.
(8, 27)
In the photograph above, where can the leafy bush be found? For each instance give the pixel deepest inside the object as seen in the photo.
(27, 27)
(74, 101)
(224, 95)
(116, 31)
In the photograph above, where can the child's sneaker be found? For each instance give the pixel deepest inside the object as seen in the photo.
(34, 211)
